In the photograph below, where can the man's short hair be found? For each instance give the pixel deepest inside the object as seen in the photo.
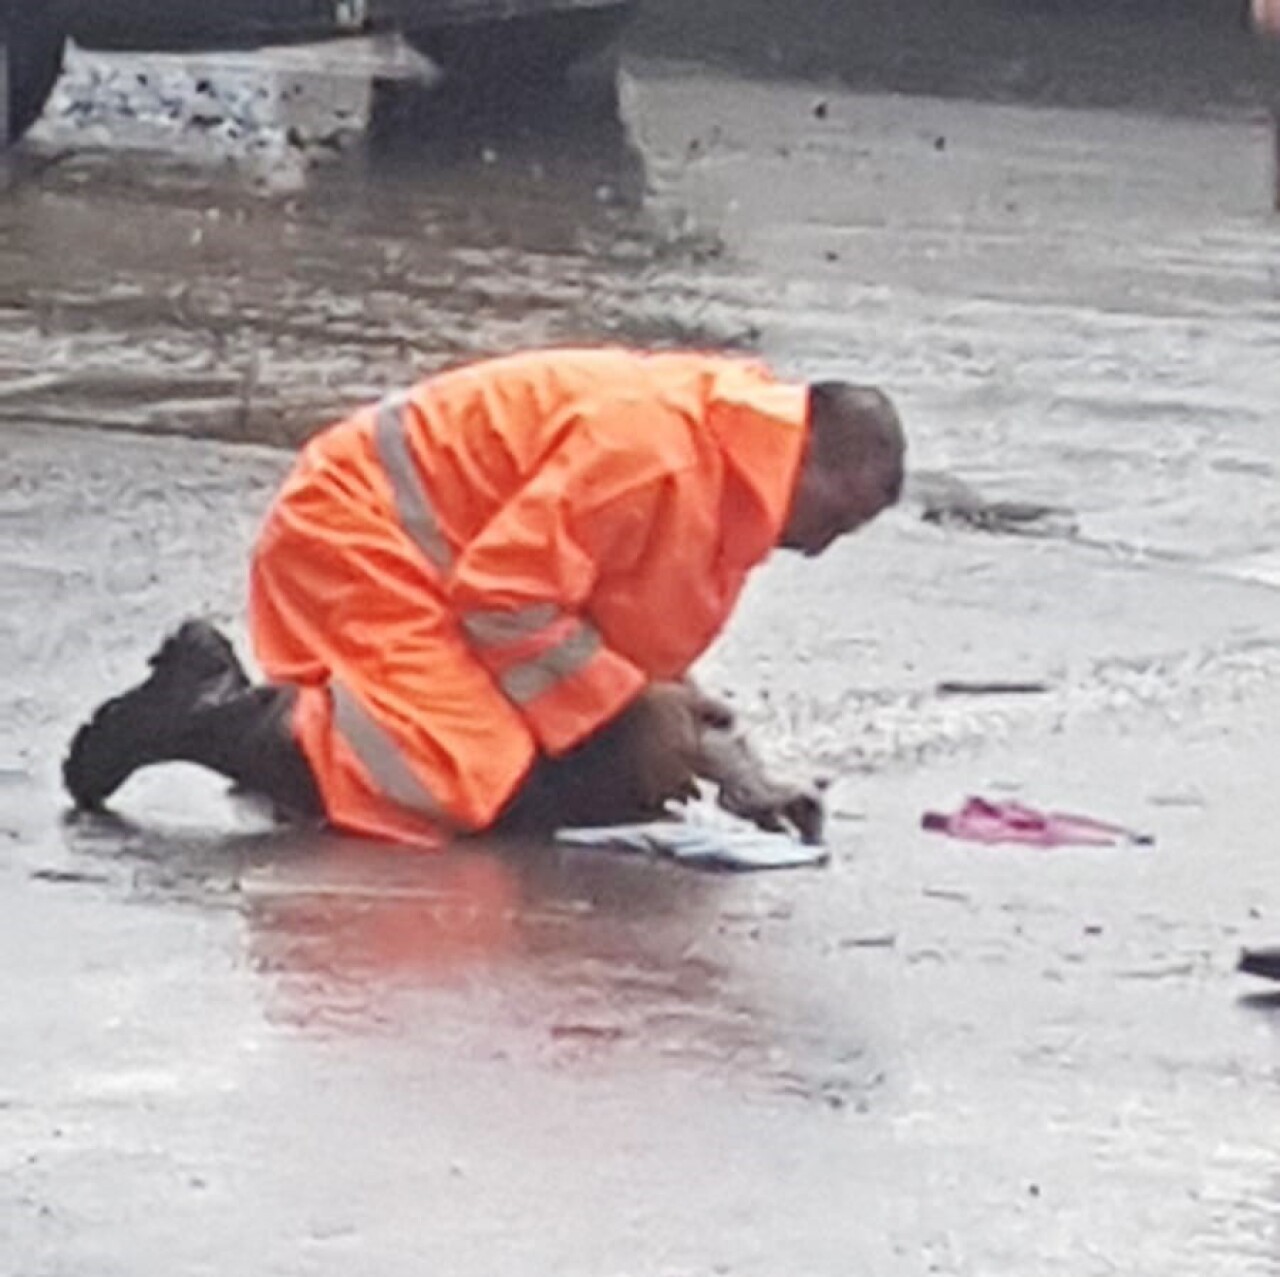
(851, 425)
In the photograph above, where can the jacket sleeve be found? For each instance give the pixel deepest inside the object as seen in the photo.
(522, 588)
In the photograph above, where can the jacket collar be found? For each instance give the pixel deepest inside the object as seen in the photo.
(761, 426)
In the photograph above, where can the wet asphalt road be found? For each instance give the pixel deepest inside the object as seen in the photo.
(231, 1050)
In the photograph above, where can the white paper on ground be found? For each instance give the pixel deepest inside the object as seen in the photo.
(708, 846)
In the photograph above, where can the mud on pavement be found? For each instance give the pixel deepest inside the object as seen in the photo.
(232, 1049)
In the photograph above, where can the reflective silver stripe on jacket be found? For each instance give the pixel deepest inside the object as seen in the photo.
(526, 682)
(522, 683)
(380, 755)
(416, 515)
(498, 629)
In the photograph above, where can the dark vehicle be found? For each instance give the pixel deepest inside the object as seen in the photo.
(511, 43)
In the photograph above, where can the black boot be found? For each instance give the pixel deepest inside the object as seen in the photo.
(247, 738)
(197, 706)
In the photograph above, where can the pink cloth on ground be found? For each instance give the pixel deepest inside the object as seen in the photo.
(981, 820)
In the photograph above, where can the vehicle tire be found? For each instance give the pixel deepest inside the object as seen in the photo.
(32, 39)
(524, 54)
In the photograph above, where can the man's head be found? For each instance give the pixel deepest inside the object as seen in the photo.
(852, 467)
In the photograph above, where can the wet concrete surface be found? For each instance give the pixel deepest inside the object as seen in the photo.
(1184, 56)
(232, 1049)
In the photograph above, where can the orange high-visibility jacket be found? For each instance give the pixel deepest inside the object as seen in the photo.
(495, 563)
